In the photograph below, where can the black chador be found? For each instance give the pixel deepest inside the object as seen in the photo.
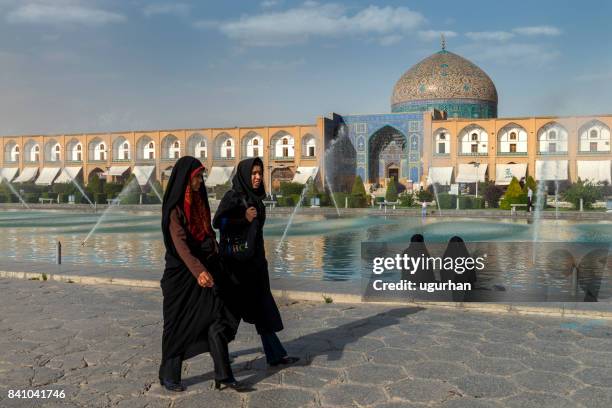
(252, 298)
(195, 317)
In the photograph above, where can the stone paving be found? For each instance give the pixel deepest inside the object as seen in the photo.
(101, 345)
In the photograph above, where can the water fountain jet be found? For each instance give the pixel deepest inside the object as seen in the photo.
(126, 190)
(14, 191)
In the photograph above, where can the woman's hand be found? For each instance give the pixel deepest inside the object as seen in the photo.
(250, 214)
(205, 280)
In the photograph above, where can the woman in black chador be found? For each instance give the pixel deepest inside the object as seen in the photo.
(417, 249)
(456, 250)
(240, 218)
(195, 318)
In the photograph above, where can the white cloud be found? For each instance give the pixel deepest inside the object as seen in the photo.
(508, 35)
(434, 35)
(515, 54)
(298, 25)
(538, 30)
(178, 9)
(489, 35)
(62, 12)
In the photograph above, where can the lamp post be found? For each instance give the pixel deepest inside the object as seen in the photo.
(476, 166)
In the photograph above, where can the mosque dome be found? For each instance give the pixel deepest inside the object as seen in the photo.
(448, 82)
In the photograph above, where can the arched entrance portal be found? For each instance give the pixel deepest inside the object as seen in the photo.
(386, 150)
(392, 171)
(279, 175)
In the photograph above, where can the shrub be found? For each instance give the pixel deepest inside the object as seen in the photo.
(221, 189)
(425, 195)
(112, 189)
(478, 202)
(287, 188)
(447, 201)
(406, 199)
(514, 195)
(63, 188)
(465, 202)
(100, 198)
(95, 185)
(391, 194)
(325, 200)
(588, 191)
(312, 191)
(492, 193)
(469, 202)
(31, 197)
(340, 198)
(151, 198)
(530, 183)
(158, 187)
(289, 201)
(359, 198)
(131, 198)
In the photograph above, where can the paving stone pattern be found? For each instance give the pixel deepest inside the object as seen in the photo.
(101, 345)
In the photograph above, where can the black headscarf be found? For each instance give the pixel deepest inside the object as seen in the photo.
(417, 249)
(456, 249)
(241, 182)
(175, 194)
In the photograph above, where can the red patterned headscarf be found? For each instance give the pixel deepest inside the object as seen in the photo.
(196, 211)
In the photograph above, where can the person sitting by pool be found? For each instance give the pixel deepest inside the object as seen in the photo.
(417, 249)
(196, 319)
(240, 217)
(456, 249)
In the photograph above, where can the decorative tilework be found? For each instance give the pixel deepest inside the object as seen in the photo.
(467, 108)
(449, 77)
(408, 124)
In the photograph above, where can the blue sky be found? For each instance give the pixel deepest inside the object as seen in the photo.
(93, 65)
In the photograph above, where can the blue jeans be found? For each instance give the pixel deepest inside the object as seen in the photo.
(272, 347)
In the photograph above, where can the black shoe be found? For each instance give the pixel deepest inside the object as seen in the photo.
(285, 361)
(233, 384)
(172, 386)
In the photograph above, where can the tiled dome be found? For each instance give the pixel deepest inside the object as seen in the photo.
(444, 77)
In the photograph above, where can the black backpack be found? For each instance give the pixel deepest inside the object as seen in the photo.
(238, 245)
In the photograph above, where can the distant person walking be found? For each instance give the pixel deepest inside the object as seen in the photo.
(529, 199)
(423, 209)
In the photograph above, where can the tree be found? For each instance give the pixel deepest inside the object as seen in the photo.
(514, 195)
(95, 184)
(391, 194)
(588, 191)
(312, 190)
(288, 188)
(359, 198)
(492, 193)
(425, 195)
(530, 183)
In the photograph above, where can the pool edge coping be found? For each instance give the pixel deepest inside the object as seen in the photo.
(319, 296)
